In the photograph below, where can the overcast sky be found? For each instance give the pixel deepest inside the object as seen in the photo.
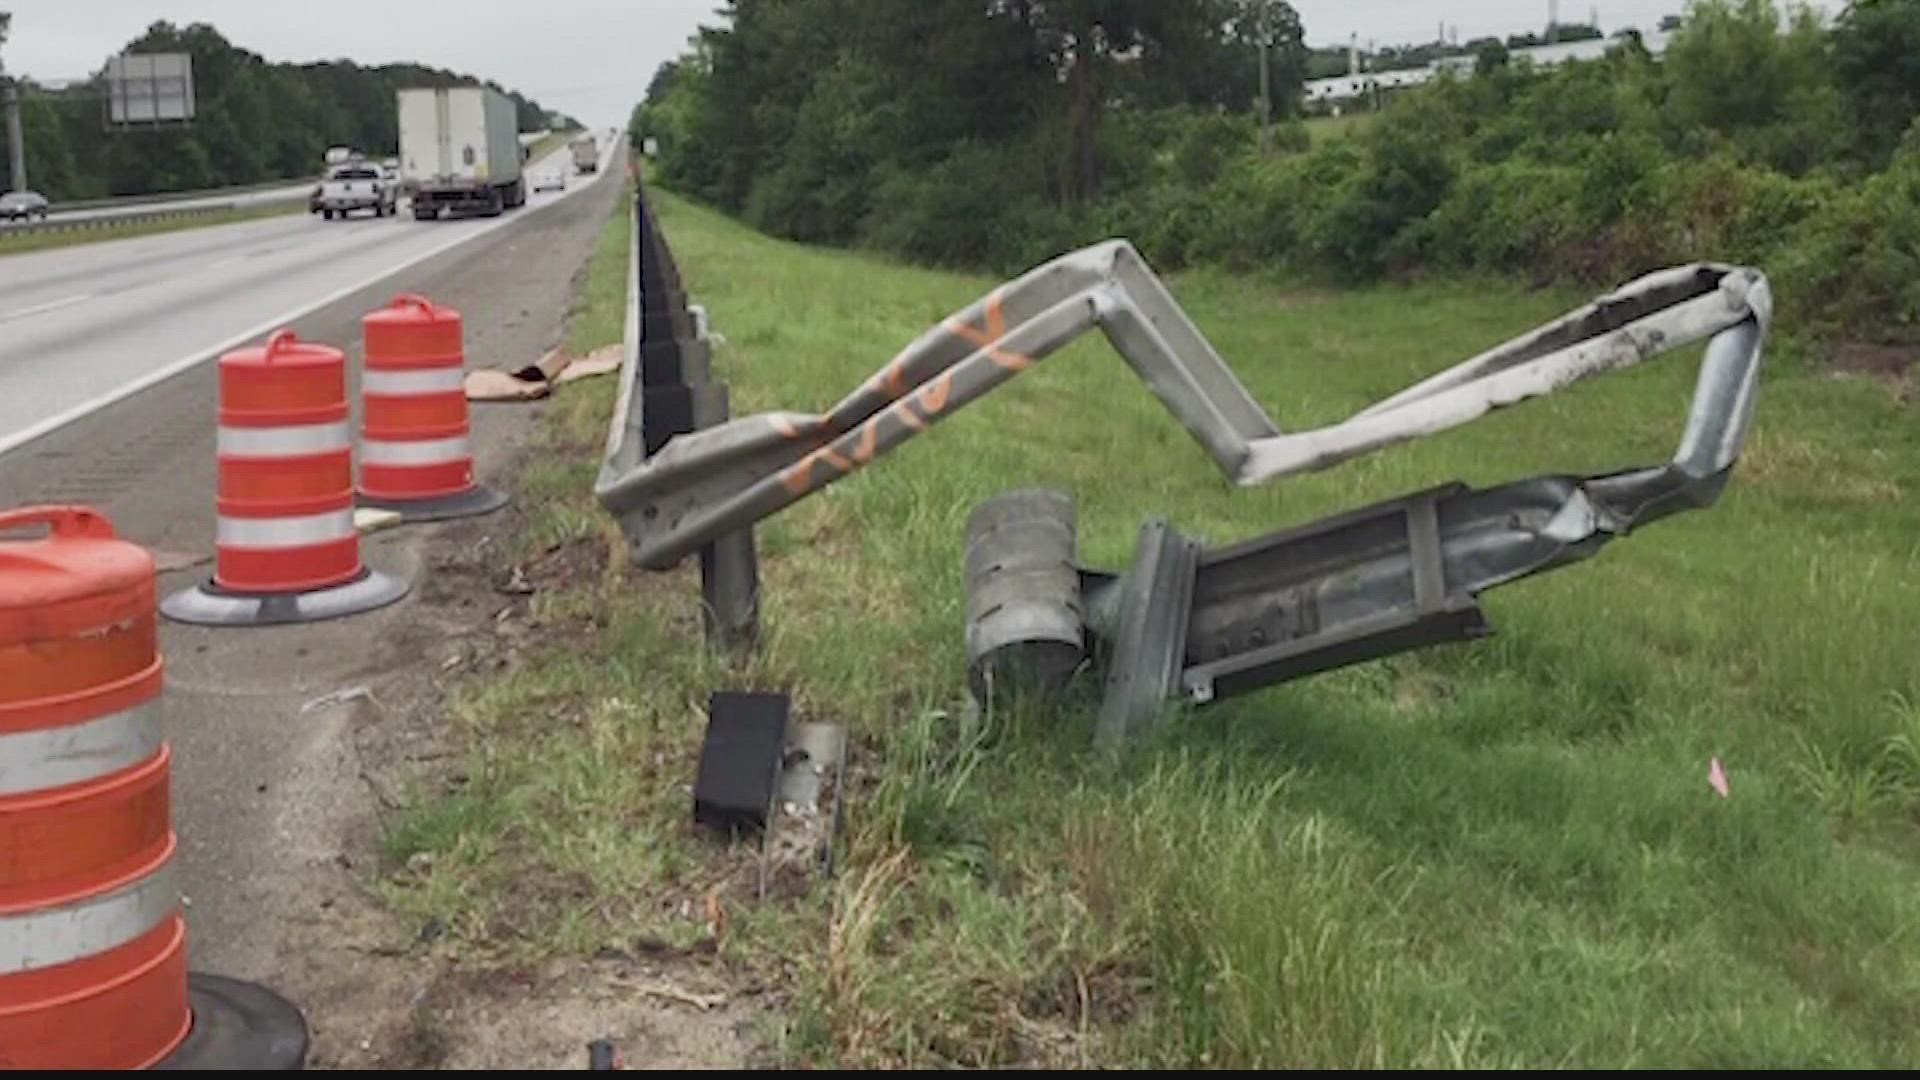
(592, 58)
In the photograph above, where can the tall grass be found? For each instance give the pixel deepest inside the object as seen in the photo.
(1505, 853)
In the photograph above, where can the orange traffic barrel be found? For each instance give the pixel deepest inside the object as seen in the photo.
(416, 449)
(93, 960)
(286, 548)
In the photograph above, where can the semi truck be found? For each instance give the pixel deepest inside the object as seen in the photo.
(586, 153)
(460, 151)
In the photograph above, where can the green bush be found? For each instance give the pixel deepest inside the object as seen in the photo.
(1852, 268)
(1744, 144)
(1208, 143)
(1508, 217)
(967, 211)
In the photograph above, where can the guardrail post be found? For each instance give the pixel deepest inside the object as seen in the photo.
(678, 396)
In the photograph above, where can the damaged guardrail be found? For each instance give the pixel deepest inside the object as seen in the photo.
(1204, 624)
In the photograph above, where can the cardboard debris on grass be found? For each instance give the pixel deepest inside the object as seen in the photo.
(538, 379)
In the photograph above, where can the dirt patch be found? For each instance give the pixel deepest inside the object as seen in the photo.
(1891, 365)
(380, 992)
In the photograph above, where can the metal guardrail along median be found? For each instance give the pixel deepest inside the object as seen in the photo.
(157, 212)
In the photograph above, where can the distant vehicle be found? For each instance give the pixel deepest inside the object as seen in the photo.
(339, 155)
(586, 153)
(358, 185)
(460, 150)
(23, 206)
(550, 180)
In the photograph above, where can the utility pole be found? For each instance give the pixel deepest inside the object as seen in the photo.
(10, 101)
(16, 142)
(1266, 95)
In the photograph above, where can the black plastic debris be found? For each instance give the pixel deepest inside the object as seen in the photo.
(740, 761)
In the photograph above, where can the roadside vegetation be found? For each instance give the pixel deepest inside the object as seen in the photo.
(255, 120)
(990, 140)
(1504, 853)
(12, 243)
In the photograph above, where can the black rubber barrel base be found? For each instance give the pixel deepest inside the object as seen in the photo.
(208, 604)
(475, 501)
(239, 1025)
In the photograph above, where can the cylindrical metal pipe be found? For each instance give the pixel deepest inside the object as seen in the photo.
(1025, 630)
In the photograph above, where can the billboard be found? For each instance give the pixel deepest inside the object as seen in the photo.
(150, 88)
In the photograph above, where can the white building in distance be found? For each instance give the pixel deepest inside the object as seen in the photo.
(1340, 88)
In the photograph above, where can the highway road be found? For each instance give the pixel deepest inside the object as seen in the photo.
(81, 325)
(234, 199)
(271, 793)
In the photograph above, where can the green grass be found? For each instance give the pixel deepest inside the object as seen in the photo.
(1497, 854)
(42, 241)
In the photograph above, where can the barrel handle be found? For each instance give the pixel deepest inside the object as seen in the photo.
(281, 341)
(413, 300)
(64, 522)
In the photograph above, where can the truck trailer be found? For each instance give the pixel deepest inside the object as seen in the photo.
(460, 151)
(586, 153)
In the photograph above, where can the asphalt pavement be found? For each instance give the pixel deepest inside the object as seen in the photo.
(265, 769)
(82, 324)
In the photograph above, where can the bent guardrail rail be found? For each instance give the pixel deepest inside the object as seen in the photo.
(705, 484)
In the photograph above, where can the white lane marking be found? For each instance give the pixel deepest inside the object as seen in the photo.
(153, 378)
(42, 309)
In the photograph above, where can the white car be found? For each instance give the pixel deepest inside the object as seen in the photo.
(358, 185)
(550, 180)
(23, 206)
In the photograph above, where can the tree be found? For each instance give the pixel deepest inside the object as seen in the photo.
(1876, 56)
(663, 81)
(255, 120)
(1491, 55)
(1089, 44)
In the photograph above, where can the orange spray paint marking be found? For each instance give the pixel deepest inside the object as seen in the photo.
(799, 478)
(869, 441)
(989, 340)
(933, 396)
(904, 410)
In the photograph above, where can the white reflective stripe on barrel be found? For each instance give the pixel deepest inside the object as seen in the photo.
(55, 757)
(404, 383)
(60, 935)
(295, 441)
(284, 532)
(418, 452)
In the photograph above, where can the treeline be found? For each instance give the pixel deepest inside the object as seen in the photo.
(838, 120)
(255, 121)
(961, 139)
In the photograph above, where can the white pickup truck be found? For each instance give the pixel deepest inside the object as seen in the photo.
(358, 185)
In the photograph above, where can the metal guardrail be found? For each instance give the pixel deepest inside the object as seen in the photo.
(1185, 621)
(667, 391)
(157, 198)
(162, 212)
